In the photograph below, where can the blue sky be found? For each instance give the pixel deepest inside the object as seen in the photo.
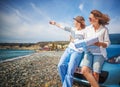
(27, 21)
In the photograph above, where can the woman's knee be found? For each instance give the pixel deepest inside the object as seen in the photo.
(96, 76)
(85, 70)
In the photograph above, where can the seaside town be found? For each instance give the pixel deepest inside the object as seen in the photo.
(40, 46)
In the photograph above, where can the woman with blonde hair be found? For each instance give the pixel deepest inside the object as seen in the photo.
(92, 63)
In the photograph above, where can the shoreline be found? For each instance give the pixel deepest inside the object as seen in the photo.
(35, 70)
(15, 58)
(13, 54)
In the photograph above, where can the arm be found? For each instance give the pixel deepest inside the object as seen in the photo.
(56, 24)
(71, 39)
(101, 44)
(106, 40)
(86, 42)
(69, 29)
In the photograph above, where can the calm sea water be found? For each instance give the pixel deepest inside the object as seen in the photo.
(10, 53)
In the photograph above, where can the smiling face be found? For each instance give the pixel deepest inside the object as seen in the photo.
(77, 25)
(93, 20)
(79, 22)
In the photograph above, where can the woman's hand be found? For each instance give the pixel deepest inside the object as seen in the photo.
(101, 44)
(56, 24)
(98, 44)
(52, 22)
(71, 39)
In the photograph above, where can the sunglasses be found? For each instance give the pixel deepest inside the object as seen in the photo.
(90, 19)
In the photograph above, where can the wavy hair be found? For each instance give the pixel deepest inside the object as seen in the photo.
(103, 18)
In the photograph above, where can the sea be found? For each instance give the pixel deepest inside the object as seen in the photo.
(9, 54)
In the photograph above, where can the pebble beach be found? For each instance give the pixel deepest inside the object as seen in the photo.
(35, 70)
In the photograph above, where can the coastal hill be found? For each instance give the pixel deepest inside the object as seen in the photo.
(50, 45)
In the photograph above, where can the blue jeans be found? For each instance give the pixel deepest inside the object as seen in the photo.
(67, 65)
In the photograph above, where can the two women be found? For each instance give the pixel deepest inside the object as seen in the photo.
(94, 57)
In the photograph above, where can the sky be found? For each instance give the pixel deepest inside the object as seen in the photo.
(27, 21)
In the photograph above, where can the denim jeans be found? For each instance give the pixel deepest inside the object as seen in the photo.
(67, 65)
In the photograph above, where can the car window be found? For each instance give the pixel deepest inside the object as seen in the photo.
(115, 38)
(114, 60)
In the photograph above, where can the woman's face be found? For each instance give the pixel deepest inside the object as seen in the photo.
(92, 19)
(76, 24)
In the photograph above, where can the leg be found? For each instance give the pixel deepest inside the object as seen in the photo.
(97, 66)
(96, 76)
(86, 65)
(75, 59)
(88, 75)
(63, 64)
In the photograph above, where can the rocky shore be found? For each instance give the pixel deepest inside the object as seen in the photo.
(36, 70)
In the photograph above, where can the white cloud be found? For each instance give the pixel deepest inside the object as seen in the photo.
(19, 26)
(81, 7)
(114, 26)
(22, 15)
(16, 29)
(40, 12)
